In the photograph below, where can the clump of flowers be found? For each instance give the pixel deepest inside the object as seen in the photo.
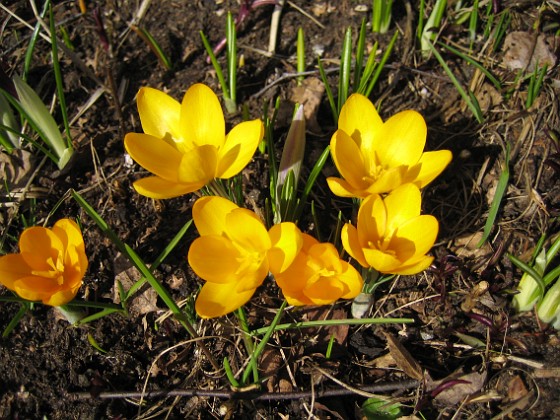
(50, 265)
(391, 236)
(318, 276)
(184, 145)
(375, 157)
(235, 253)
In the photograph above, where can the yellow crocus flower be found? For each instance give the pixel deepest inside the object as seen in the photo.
(318, 276)
(235, 253)
(391, 236)
(375, 157)
(185, 144)
(50, 265)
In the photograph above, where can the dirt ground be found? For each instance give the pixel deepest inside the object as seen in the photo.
(53, 370)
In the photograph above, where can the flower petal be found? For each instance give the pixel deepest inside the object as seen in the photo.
(341, 188)
(40, 248)
(62, 297)
(325, 290)
(404, 138)
(247, 231)
(214, 258)
(360, 120)
(349, 160)
(202, 118)
(402, 204)
(75, 258)
(13, 268)
(352, 279)
(159, 188)
(414, 268)
(351, 244)
(215, 300)
(154, 154)
(239, 148)
(382, 261)
(199, 165)
(421, 231)
(430, 165)
(209, 214)
(286, 240)
(387, 181)
(159, 113)
(372, 220)
(36, 288)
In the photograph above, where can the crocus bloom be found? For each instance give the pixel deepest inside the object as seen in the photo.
(391, 235)
(50, 265)
(318, 276)
(234, 253)
(185, 145)
(374, 157)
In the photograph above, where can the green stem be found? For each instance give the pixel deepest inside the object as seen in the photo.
(270, 329)
(248, 341)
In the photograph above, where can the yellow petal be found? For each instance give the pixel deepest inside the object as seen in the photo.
(159, 113)
(247, 231)
(154, 154)
(372, 220)
(214, 259)
(215, 300)
(352, 280)
(324, 291)
(199, 165)
(431, 164)
(158, 188)
(40, 248)
(351, 244)
(360, 120)
(421, 231)
(404, 138)
(382, 261)
(75, 259)
(209, 214)
(341, 188)
(253, 275)
(36, 288)
(402, 204)
(416, 267)
(239, 148)
(13, 268)
(286, 240)
(61, 298)
(349, 160)
(325, 255)
(202, 118)
(387, 181)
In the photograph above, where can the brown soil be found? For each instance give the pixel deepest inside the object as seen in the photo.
(50, 369)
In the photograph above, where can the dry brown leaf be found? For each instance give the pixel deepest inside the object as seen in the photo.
(309, 94)
(16, 168)
(524, 50)
(516, 388)
(403, 358)
(143, 301)
(457, 392)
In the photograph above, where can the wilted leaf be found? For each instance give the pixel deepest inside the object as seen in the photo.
(403, 358)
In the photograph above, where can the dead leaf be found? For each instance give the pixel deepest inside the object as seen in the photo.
(461, 387)
(16, 168)
(516, 388)
(403, 358)
(143, 301)
(524, 50)
(309, 94)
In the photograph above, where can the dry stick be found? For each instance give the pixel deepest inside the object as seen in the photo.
(251, 395)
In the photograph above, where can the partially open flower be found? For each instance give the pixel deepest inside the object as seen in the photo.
(391, 235)
(318, 276)
(185, 144)
(50, 265)
(234, 254)
(374, 157)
